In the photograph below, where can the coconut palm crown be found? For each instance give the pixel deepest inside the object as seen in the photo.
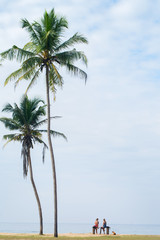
(26, 119)
(46, 49)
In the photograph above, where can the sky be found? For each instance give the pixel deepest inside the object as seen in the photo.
(110, 165)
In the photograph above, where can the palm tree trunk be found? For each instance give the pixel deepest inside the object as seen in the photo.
(36, 193)
(52, 156)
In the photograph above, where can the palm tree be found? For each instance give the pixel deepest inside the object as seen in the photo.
(26, 119)
(47, 51)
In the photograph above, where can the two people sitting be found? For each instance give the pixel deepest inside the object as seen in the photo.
(96, 225)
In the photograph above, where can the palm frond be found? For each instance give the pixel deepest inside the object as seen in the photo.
(19, 115)
(9, 136)
(10, 123)
(56, 72)
(10, 140)
(43, 152)
(71, 57)
(55, 79)
(20, 74)
(55, 134)
(16, 53)
(36, 115)
(44, 121)
(13, 76)
(31, 62)
(76, 38)
(30, 28)
(60, 25)
(73, 70)
(30, 46)
(12, 137)
(44, 147)
(25, 155)
(27, 75)
(8, 108)
(33, 80)
(31, 110)
(38, 29)
(35, 103)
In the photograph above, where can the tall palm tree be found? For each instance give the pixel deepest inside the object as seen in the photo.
(26, 119)
(47, 51)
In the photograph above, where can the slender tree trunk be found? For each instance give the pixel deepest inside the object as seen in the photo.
(36, 194)
(52, 156)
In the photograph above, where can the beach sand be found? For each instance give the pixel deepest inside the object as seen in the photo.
(74, 235)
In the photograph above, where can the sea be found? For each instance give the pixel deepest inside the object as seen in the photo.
(146, 229)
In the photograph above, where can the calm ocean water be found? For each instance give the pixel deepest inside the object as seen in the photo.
(79, 228)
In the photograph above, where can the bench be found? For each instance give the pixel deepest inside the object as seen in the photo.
(107, 230)
(94, 229)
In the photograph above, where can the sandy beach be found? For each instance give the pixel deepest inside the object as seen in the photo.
(76, 235)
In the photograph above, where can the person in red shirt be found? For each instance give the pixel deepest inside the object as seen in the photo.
(96, 225)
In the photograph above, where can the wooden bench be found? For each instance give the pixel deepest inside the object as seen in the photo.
(107, 230)
(94, 230)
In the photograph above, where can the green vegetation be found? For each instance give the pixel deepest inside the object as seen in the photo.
(47, 52)
(47, 237)
(26, 121)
